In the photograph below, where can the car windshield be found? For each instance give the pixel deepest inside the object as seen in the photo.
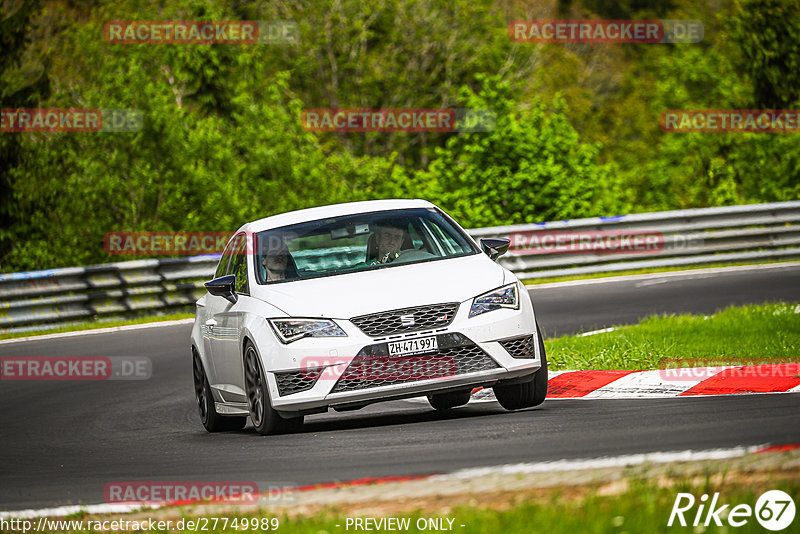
(357, 242)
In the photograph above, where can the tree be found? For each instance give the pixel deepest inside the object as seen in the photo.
(531, 167)
(767, 31)
(19, 88)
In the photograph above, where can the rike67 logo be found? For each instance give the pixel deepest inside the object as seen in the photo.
(774, 510)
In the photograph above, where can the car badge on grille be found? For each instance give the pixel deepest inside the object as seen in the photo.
(407, 320)
(442, 318)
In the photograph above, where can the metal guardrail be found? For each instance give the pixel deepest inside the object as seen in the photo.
(756, 232)
(39, 300)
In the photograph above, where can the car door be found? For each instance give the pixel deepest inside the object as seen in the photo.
(221, 329)
(208, 308)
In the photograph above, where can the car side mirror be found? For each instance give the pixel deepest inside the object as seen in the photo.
(494, 247)
(223, 287)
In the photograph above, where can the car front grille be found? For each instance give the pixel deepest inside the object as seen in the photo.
(406, 319)
(296, 381)
(370, 371)
(519, 347)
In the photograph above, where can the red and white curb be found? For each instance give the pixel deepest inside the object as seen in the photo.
(469, 473)
(662, 383)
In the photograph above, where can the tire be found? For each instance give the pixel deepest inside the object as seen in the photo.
(212, 421)
(526, 394)
(265, 419)
(447, 401)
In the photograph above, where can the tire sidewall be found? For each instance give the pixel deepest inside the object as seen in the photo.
(268, 415)
(205, 413)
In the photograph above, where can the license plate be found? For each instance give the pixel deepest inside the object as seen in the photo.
(413, 346)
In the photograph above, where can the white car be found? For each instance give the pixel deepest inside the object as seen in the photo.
(346, 305)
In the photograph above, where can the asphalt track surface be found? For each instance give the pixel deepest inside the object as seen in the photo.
(62, 442)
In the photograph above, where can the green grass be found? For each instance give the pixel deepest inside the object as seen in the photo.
(749, 333)
(90, 325)
(537, 281)
(643, 508)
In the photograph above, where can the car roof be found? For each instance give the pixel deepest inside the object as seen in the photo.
(333, 210)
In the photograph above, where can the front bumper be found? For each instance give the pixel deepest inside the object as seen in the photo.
(311, 375)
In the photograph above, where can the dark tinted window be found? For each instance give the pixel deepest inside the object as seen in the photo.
(238, 264)
(362, 241)
(224, 261)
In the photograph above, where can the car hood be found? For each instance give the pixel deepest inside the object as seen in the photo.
(349, 295)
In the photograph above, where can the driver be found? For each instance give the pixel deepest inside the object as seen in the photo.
(389, 238)
(276, 261)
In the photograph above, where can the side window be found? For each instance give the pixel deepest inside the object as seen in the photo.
(416, 239)
(433, 237)
(238, 265)
(447, 242)
(446, 239)
(222, 266)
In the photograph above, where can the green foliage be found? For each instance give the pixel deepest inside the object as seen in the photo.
(713, 169)
(395, 54)
(577, 132)
(640, 498)
(531, 167)
(767, 31)
(18, 88)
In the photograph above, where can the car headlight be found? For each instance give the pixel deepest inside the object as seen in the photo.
(289, 330)
(503, 297)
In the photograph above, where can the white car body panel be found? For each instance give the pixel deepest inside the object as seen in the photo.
(334, 210)
(360, 293)
(221, 328)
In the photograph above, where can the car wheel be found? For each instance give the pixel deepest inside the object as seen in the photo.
(526, 394)
(265, 419)
(446, 401)
(212, 421)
